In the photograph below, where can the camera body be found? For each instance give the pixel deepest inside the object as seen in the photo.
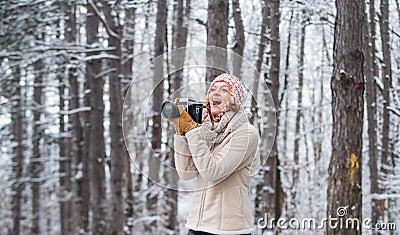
(193, 108)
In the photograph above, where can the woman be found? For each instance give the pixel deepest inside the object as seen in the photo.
(222, 154)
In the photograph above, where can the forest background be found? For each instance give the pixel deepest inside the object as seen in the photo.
(81, 132)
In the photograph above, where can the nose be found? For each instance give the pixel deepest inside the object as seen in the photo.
(217, 92)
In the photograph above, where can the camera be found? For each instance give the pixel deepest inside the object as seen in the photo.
(192, 107)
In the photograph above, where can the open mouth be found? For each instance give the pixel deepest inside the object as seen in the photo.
(216, 102)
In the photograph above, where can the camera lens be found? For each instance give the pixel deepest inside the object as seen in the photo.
(169, 110)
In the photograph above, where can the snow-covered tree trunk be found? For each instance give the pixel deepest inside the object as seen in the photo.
(75, 218)
(35, 161)
(370, 73)
(18, 148)
(285, 87)
(117, 151)
(97, 147)
(127, 64)
(260, 58)
(64, 161)
(299, 115)
(347, 84)
(157, 98)
(387, 161)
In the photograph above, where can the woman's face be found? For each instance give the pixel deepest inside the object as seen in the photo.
(218, 97)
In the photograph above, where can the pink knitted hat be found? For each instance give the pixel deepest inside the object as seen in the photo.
(236, 92)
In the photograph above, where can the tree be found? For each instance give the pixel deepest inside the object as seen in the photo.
(347, 84)
(239, 38)
(299, 112)
(74, 217)
(370, 73)
(273, 162)
(269, 190)
(37, 132)
(97, 147)
(157, 98)
(127, 73)
(117, 151)
(17, 130)
(179, 41)
(217, 35)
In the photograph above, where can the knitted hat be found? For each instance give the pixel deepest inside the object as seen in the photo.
(236, 92)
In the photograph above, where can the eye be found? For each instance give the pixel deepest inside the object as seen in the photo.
(212, 89)
(225, 90)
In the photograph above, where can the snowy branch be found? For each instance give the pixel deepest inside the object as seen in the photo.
(73, 111)
(96, 11)
(394, 110)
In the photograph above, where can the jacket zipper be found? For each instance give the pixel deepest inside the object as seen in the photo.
(203, 196)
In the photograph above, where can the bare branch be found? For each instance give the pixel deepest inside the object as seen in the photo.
(106, 25)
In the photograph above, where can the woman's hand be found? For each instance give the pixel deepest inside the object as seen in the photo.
(184, 123)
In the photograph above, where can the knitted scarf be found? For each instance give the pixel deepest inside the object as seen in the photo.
(229, 122)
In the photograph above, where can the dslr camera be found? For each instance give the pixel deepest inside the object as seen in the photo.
(192, 107)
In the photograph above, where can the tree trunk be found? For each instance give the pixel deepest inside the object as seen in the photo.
(277, 197)
(270, 194)
(285, 85)
(83, 219)
(127, 73)
(158, 94)
(96, 148)
(386, 164)
(260, 57)
(239, 38)
(299, 114)
(74, 217)
(35, 162)
(369, 70)
(17, 114)
(64, 170)
(117, 150)
(179, 32)
(347, 84)
(217, 35)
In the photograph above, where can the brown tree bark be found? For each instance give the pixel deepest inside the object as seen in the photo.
(347, 84)
(270, 201)
(37, 131)
(97, 147)
(386, 77)
(179, 37)
(386, 163)
(217, 35)
(157, 98)
(127, 74)
(273, 163)
(17, 130)
(239, 38)
(64, 162)
(75, 218)
(85, 192)
(118, 153)
(370, 72)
